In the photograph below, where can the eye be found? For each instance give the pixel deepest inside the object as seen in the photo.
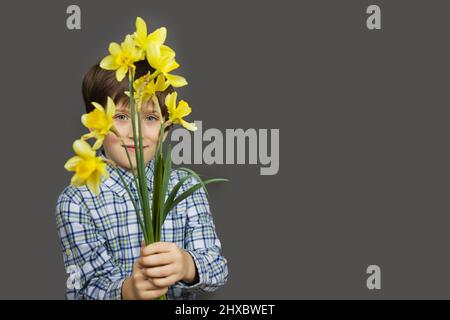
(121, 117)
(151, 118)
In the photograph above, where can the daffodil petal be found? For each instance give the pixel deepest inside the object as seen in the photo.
(110, 108)
(128, 43)
(98, 143)
(98, 106)
(83, 149)
(169, 65)
(72, 163)
(188, 125)
(183, 109)
(153, 55)
(141, 27)
(88, 135)
(114, 48)
(170, 101)
(84, 118)
(176, 81)
(103, 171)
(93, 182)
(161, 83)
(167, 51)
(158, 36)
(121, 73)
(77, 181)
(108, 63)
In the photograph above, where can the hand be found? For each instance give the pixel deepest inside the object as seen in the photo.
(138, 287)
(165, 263)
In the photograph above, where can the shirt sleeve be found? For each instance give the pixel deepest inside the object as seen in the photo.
(203, 244)
(93, 273)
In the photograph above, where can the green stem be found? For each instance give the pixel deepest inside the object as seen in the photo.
(154, 75)
(142, 169)
(158, 188)
(156, 194)
(141, 174)
(163, 297)
(160, 171)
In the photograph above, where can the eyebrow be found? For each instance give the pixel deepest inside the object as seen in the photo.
(125, 109)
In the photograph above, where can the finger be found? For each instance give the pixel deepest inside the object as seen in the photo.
(144, 285)
(137, 267)
(158, 247)
(165, 282)
(155, 260)
(138, 275)
(159, 272)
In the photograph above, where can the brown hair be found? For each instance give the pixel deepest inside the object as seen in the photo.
(98, 84)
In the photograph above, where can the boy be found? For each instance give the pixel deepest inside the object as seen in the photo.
(100, 237)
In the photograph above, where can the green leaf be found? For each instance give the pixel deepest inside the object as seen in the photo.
(158, 187)
(195, 175)
(160, 140)
(173, 193)
(157, 179)
(190, 191)
(165, 182)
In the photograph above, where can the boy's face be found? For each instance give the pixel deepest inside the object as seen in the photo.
(150, 124)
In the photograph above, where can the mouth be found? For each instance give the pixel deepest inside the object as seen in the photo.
(131, 147)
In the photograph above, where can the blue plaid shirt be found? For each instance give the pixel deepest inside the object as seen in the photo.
(100, 237)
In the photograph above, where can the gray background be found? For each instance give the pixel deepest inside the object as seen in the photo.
(363, 118)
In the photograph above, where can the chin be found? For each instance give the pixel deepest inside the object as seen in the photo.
(126, 165)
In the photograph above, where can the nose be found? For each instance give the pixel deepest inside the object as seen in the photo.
(129, 129)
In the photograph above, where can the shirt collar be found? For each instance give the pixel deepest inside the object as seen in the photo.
(115, 183)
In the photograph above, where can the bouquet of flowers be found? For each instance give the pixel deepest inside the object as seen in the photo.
(90, 169)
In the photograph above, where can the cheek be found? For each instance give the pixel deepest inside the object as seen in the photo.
(122, 127)
(110, 140)
(152, 132)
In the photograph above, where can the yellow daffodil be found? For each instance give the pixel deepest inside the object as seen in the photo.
(122, 57)
(145, 89)
(177, 113)
(88, 168)
(162, 58)
(100, 122)
(142, 40)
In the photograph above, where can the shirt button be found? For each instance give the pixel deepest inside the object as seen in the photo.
(68, 252)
